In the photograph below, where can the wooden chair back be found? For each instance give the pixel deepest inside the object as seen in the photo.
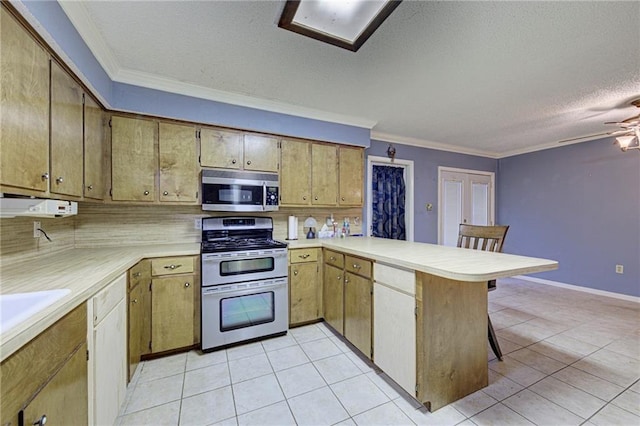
(488, 238)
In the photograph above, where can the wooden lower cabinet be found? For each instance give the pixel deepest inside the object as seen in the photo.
(172, 312)
(333, 297)
(63, 400)
(139, 313)
(305, 286)
(48, 375)
(357, 312)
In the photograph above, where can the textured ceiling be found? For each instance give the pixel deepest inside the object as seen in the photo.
(496, 78)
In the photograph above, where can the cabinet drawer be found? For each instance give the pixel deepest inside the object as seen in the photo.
(108, 298)
(172, 265)
(358, 266)
(399, 279)
(140, 273)
(303, 255)
(334, 258)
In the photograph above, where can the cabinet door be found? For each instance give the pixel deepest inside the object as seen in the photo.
(178, 163)
(333, 297)
(63, 401)
(295, 174)
(133, 159)
(303, 292)
(351, 163)
(172, 312)
(24, 90)
(94, 133)
(136, 322)
(357, 312)
(66, 133)
(110, 365)
(220, 148)
(261, 153)
(394, 335)
(324, 175)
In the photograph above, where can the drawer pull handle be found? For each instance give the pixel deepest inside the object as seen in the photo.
(303, 256)
(41, 421)
(187, 284)
(172, 267)
(356, 266)
(295, 272)
(333, 259)
(136, 274)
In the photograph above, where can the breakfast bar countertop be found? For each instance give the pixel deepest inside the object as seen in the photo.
(448, 262)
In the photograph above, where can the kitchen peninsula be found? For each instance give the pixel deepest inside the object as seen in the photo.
(446, 288)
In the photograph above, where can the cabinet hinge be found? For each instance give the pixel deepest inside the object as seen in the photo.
(83, 99)
(150, 347)
(417, 387)
(415, 311)
(87, 354)
(109, 122)
(110, 192)
(150, 284)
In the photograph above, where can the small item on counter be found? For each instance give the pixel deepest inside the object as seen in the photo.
(311, 223)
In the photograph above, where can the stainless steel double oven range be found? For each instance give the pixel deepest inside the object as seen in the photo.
(244, 281)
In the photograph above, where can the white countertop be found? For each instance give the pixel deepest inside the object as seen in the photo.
(87, 271)
(83, 271)
(448, 262)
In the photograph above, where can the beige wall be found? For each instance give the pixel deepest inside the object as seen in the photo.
(111, 225)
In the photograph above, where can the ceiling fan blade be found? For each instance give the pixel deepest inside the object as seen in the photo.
(583, 137)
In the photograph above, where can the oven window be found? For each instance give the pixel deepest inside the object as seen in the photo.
(246, 311)
(246, 266)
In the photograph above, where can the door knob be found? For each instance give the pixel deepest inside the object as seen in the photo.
(165, 193)
(249, 163)
(187, 284)
(90, 187)
(146, 192)
(59, 180)
(233, 161)
(45, 176)
(295, 272)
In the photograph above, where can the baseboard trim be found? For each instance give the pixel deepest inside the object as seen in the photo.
(579, 288)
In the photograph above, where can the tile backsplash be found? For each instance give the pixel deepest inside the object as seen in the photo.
(113, 225)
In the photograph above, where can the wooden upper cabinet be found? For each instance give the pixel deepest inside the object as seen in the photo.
(94, 134)
(220, 148)
(24, 122)
(66, 133)
(178, 163)
(324, 174)
(260, 153)
(133, 159)
(351, 164)
(295, 174)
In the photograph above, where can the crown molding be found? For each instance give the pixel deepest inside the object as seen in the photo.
(423, 143)
(82, 21)
(154, 81)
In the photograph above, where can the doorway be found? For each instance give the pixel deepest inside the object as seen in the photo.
(464, 196)
(406, 167)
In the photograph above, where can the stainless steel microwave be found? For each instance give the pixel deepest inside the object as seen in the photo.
(238, 191)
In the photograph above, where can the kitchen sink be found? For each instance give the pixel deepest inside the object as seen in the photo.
(18, 307)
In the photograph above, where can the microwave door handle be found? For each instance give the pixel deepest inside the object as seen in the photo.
(264, 196)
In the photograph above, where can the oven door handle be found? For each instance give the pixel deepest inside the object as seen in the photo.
(207, 291)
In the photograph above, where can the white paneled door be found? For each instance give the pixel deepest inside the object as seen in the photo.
(465, 196)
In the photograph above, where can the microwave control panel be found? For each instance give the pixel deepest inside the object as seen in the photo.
(272, 196)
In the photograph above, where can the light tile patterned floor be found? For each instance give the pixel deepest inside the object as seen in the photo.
(570, 358)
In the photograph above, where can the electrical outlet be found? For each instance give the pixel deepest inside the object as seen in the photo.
(197, 224)
(619, 269)
(36, 229)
